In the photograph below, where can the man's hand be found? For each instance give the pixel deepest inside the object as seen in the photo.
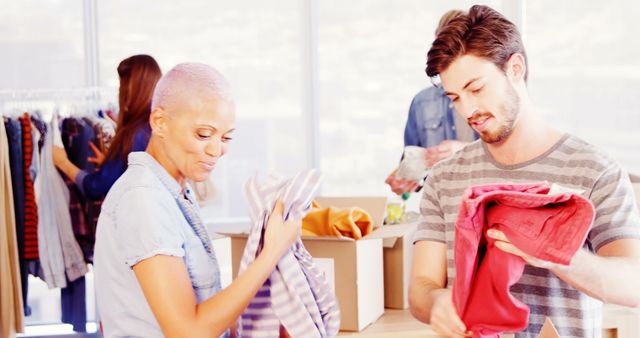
(446, 148)
(400, 185)
(503, 243)
(445, 320)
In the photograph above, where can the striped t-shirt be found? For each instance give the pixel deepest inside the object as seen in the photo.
(572, 163)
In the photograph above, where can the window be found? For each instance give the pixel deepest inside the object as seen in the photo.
(584, 73)
(372, 59)
(257, 46)
(41, 50)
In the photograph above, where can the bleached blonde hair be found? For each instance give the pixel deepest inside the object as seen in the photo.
(190, 81)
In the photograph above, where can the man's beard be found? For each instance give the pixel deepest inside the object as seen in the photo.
(510, 110)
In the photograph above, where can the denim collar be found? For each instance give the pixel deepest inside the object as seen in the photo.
(187, 206)
(145, 159)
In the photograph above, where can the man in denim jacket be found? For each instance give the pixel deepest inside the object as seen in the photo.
(432, 124)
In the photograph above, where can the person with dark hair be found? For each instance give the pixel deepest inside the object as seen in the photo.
(138, 77)
(481, 62)
(433, 125)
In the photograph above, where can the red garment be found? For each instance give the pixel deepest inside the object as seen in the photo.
(30, 207)
(549, 227)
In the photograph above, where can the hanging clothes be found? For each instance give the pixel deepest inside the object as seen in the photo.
(296, 295)
(60, 253)
(91, 183)
(30, 208)
(46, 244)
(14, 137)
(11, 303)
(41, 127)
(73, 304)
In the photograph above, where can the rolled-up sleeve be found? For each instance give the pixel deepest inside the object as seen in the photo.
(617, 215)
(145, 226)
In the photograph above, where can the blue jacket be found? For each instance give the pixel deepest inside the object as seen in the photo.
(95, 185)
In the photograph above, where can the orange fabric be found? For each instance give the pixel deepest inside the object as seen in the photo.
(333, 222)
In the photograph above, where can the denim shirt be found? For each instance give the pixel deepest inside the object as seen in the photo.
(142, 217)
(431, 119)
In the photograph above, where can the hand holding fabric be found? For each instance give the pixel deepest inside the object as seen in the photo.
(503, 243)
(281, 234)
(445, 320)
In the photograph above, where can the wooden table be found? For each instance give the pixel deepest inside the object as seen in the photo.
(395, 323)
(617, 321)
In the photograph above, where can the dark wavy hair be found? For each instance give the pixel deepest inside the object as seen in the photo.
(138, 77)
(482, 32)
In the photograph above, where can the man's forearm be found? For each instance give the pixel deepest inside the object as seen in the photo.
(610, 279)
(422, 293)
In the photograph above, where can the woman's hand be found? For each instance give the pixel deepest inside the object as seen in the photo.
(98, 156)
(280, 234)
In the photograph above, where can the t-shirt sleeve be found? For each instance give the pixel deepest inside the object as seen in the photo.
(432, 225)
(146, 226)
(616, 210)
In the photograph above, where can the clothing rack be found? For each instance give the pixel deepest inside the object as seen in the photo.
(94, 92)
(25, 156)
(67, 101)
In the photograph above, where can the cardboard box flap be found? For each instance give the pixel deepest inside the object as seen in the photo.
(315, 238)
(389, 242)
(375, 206)
(216, 235)
(391, 233)
(328, 238)
(232, 234)
(548, 330)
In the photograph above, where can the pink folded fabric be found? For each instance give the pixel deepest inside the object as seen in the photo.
(549, 227)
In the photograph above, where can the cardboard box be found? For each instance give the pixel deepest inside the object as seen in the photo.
(636, 189)
(222, 247)
(397, 241)
(359, 267)
(353, 268)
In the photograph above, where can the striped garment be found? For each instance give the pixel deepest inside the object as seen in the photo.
(296, 294)
(30, 207)
(572, 163)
